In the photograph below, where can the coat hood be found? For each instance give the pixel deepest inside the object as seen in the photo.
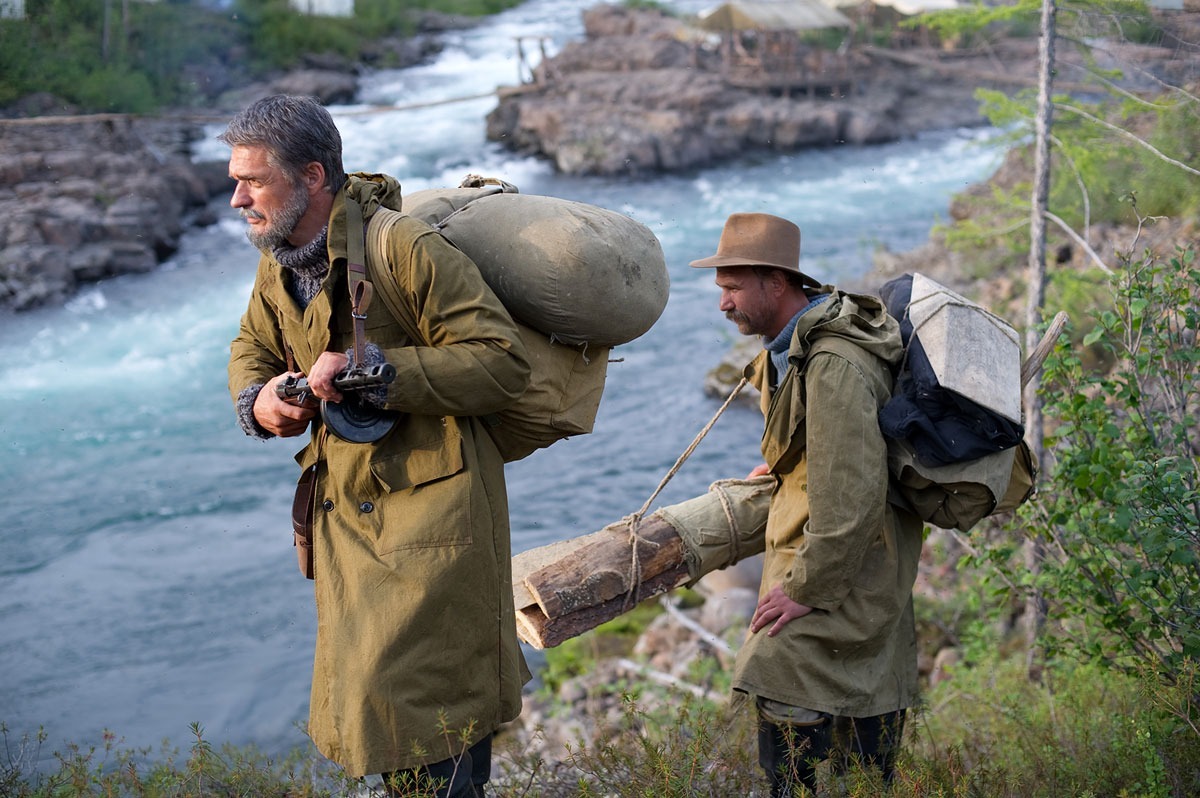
(370, 191)
(858, 318)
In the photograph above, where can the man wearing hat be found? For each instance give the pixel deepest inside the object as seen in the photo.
(831, 654)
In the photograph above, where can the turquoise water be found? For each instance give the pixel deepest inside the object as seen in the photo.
(147, 578)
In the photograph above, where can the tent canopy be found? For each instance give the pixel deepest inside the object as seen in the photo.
(793, 15)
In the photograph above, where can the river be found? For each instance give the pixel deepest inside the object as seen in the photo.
(147, 578)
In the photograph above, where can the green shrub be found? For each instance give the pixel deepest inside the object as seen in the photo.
(1084, 730)
(116, 89)
(610, 639)
(112, 770)
(1120, 515)
(699, 750)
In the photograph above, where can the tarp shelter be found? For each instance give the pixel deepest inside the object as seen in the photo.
(784, 15)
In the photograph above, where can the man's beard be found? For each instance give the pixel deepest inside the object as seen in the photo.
(285, 222)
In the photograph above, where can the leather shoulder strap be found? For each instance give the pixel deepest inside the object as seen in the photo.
(361, 290)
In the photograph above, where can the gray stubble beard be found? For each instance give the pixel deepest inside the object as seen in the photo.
(285, 222)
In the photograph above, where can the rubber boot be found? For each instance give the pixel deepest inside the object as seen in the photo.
(871, 742)
(789, 753)
(457, 777)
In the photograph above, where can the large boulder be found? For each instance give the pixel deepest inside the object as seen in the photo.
(645, 93)
(84, 198)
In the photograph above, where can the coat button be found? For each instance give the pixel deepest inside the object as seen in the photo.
(366, 507)
(327, 505)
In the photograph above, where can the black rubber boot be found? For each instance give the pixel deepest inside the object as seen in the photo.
(871, 742)
(789, 754)
(457, 777)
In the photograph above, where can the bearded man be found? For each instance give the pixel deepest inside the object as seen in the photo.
(417, 662)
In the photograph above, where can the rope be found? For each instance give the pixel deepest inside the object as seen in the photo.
(633, 596)
(735, 532)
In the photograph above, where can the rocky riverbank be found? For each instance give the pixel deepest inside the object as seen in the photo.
(645, 92)
(87, 197)
(83, 198)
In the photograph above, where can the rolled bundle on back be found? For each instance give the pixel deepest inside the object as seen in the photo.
(578, 273)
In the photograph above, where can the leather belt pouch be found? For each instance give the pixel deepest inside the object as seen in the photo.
(302, 519)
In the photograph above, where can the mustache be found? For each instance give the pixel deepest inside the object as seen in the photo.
(736, 316)
(249, 213)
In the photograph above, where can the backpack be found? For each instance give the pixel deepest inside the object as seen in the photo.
(569, 328)
(953, 427)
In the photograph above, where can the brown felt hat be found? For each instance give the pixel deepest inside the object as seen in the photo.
(758, 239)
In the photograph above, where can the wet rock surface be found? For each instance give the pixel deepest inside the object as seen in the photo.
(641, 94)
(85, 198)
(644, 92)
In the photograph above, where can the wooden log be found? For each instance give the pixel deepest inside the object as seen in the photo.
(601, 567)
(1044, 347)
(539, 631)
(533, 560)
(569, 587)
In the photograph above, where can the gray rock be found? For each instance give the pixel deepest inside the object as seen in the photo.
(86, 198)
(732, 608)
(327, 85)
(642, 94)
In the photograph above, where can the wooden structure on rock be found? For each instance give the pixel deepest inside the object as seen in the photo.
(762, 46)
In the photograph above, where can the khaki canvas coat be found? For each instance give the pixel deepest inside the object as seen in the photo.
(832, 540)
(416, 637)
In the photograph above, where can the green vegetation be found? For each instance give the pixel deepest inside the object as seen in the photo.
(1121, 525)
(1083, 730)
(112, 770)
(131, 57)
(988, 731)
(1098, 163)
(1114, 709)
(1096, 171)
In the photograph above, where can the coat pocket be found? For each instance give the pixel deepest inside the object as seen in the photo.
(423, 458)
(426, 494)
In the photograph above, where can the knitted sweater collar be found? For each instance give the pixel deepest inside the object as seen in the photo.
(780, 344)
(305, 266)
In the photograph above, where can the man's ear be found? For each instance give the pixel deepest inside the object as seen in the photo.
(777, 282)
(313, 177)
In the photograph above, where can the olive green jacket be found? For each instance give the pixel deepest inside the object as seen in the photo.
(416, 637)
(832, 540)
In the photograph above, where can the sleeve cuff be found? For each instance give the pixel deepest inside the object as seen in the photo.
(245, 413)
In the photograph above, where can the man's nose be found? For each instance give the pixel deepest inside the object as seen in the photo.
(726, 303)
(240, 198)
